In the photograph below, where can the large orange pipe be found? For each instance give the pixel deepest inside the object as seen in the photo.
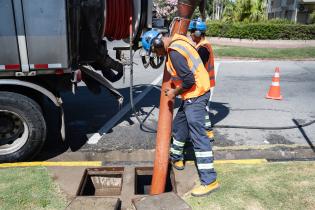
(164, 128)
(162, 138)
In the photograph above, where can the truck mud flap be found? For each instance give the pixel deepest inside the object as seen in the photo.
(104, 82)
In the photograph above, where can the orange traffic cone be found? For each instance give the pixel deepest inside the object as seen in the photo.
(274, 91)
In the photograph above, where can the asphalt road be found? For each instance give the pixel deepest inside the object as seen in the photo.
(238, 99)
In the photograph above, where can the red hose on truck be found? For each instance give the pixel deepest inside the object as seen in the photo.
(117, 19)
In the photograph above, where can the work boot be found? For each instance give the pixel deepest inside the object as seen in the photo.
(205, 189)
(178, 164)
(210, 135)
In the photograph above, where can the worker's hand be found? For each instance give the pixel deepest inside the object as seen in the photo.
(171, 93)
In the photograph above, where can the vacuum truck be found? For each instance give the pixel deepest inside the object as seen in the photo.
(48, 46)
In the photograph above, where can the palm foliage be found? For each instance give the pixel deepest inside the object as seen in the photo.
(243, 10)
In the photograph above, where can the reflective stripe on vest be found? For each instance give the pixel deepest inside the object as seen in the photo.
(184, 46)
(210, 63)
(196, 62)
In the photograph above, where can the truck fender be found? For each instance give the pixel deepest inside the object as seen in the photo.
(56, 100)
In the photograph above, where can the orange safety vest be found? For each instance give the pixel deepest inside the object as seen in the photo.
(210, 63)
(186, 48)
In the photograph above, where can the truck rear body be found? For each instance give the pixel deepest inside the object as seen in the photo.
(33, 37)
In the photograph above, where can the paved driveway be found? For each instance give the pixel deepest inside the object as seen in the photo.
(238, 99)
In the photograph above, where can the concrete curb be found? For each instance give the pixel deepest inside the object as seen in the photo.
(102, 164)
(255, 154)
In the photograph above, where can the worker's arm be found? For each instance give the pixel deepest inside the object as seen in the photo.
(204, 54)
(184, 73)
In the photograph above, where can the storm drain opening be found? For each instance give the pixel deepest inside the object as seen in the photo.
(143, 179)
(101, 182)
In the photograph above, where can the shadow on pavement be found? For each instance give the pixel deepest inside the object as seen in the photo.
(85, 113)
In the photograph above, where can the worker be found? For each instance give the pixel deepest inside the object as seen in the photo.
(197, 29)
(191, 82)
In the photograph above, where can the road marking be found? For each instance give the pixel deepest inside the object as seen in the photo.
(32, 164)
(216, 70)
(94, 139)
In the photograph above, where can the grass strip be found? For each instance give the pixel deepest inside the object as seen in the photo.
(29, 188)
(266, 53)
(286, 185)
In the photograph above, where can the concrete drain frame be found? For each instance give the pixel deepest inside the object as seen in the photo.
(143, 179)
(120, 185)
(106, 181)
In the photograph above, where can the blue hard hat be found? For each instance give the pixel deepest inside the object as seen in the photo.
(198, 25)
(148, 37)
(192, 25)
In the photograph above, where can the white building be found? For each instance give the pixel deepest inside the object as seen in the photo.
(294, 10)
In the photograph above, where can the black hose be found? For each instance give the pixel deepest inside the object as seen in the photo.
(133, 105)
(214, 126)
(131, 89)
(265, 128)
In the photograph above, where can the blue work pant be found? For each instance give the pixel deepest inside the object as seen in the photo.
(190, 123)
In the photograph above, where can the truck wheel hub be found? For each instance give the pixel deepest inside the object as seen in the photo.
(11, 127)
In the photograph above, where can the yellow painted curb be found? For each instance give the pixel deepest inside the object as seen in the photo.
(71, 163)
(99, 163)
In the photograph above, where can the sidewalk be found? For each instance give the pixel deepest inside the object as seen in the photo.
(262, 43)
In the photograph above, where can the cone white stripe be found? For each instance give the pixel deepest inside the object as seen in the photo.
(275, 84)
(277, 75)
(204, 154)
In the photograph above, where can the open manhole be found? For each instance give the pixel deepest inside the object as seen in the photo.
(143, 179)
(101, 182)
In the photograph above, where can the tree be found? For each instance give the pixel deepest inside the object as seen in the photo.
(258, 11)
(165, 8)
(242, 10)
(209, 8)
(312, 18)
(168, 8)
(223, 10)
(228, 12)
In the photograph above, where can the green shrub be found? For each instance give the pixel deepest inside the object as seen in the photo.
(280, 21)
(268, 30)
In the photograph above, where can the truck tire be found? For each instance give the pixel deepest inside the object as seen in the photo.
(22, 127)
